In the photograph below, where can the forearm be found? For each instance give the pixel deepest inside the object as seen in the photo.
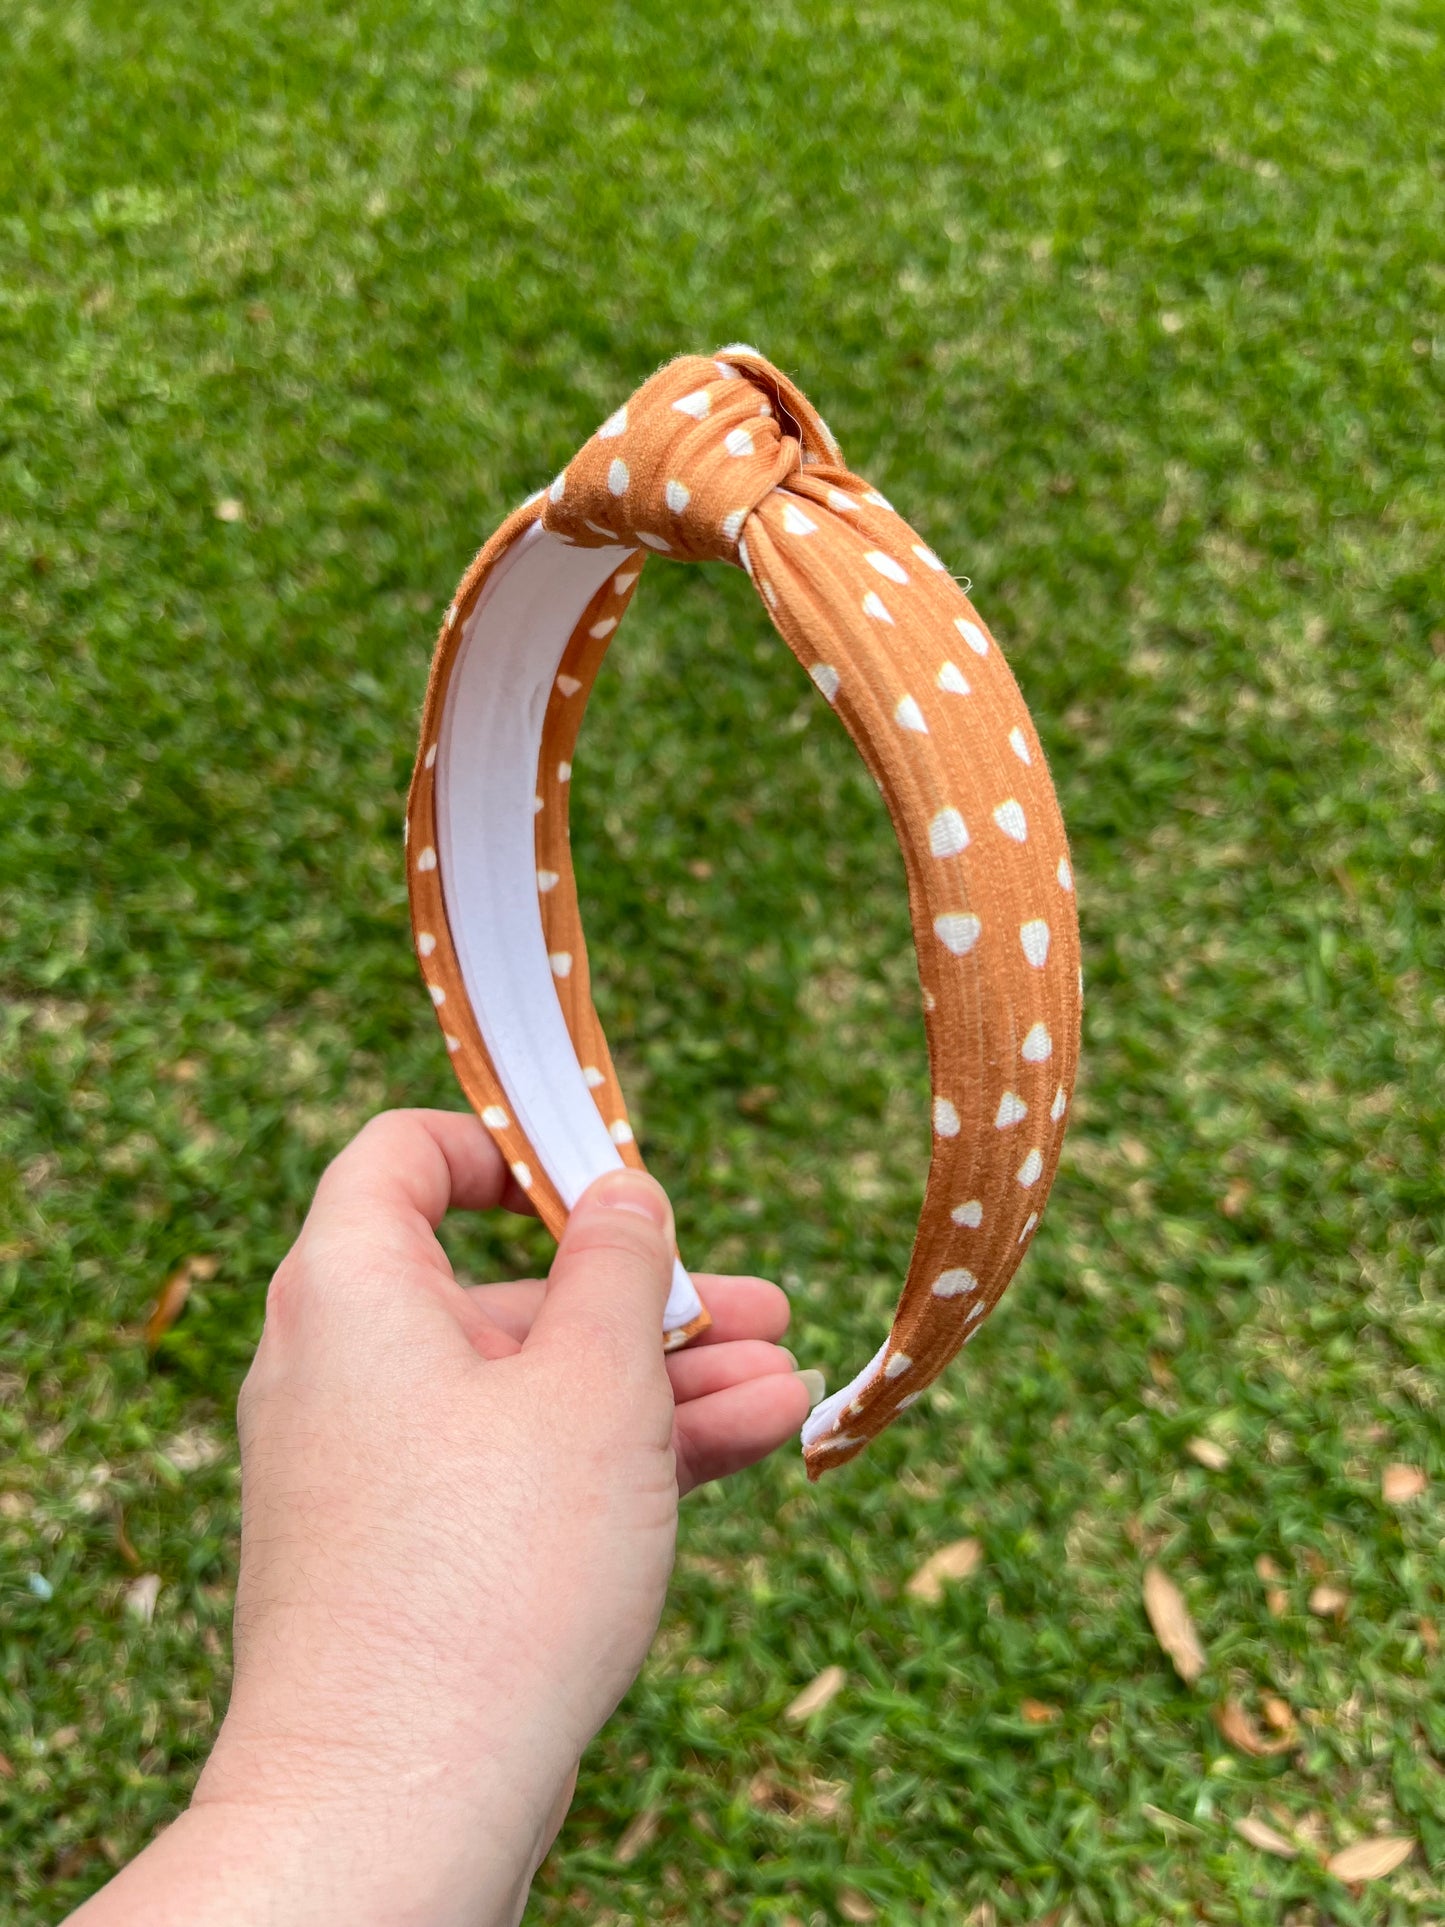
(415, 1859)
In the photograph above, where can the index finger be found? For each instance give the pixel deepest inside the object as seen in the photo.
(418, 1162)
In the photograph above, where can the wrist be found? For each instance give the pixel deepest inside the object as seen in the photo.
(299, 1847)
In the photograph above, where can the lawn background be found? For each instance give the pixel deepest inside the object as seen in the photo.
(1136, 313)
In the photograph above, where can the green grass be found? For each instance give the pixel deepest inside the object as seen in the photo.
(1137, 314)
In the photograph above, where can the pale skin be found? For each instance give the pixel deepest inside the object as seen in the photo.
(459, 1507)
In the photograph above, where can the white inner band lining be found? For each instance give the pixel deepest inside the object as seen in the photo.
(486, 780)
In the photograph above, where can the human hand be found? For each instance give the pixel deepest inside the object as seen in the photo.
(459, 1509)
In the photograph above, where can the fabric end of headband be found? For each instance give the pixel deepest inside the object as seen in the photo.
(680, 1335)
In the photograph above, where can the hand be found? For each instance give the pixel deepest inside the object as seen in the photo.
(459, 1509)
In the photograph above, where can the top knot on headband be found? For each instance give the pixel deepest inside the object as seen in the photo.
(723, 459)
(682, 466)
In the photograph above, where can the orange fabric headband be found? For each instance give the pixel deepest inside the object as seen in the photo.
(725, 460)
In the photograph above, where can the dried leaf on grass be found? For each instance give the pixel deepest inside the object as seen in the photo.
(1399, 1484)
(1259, 1833)
(855, 1906)
(1279, 1713)
(141, 1596)
(122, 1539)
(171, 1300)
(1329, 1602)
(820, 1799)
(1206, 1453)
(1240, 1731)
(1371, 1859)
(1173, 1627)
(816, 1694)
(640, 1830)
(956, 1561)
(1038, 1712)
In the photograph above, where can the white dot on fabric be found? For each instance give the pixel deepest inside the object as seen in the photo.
(954, 1283)
(537, 806)
(564, 772)
(928, 558)
(834, 1444)
(958, 931)
(1034, 936)
(970, 1214)
(561, 962)
(438, 995)
(617, 476)
(744, 557)
(952, 678)
(875, 606)
(945, 1118)
(547, 880)
(1019, 745)
(947, 833)
(732, 525)
(878, 501)
(597, 529)
(427, 860)
(678, 496)
(972, 635)
(568, 685)
(765, 408)
(738, 441)
(559, 487)
(976, 1310)
(614, 426)
(495, 1118)
(622, 583)
(426, 943)
(1059, 1105)
(603, 628)
(1011, 1110)
(1029, 1222)
(912, 1398)
(523, 1174)
(1065, 874)
(454, 1043)
(431, 756)
(654, 541)
(795, 522)
(897, 1365)
(592, 1077)
(844, 504)
(1011, 820)
(1038, 1046)
(1031, 1170)
(930, 1002)
(827, 679)
(770, 592)
(696, 404)
(620, 1131)
(727, 371)
(886, 566)
(909, 716)
(451, 614)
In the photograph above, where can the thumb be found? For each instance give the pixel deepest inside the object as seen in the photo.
(610, 1278)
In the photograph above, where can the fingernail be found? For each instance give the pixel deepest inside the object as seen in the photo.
(634, 1191)
(792, 1357)
(816, 1386)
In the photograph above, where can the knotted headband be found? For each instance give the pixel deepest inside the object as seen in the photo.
(725, 460)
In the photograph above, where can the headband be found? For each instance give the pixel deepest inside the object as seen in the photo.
(725, 460)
